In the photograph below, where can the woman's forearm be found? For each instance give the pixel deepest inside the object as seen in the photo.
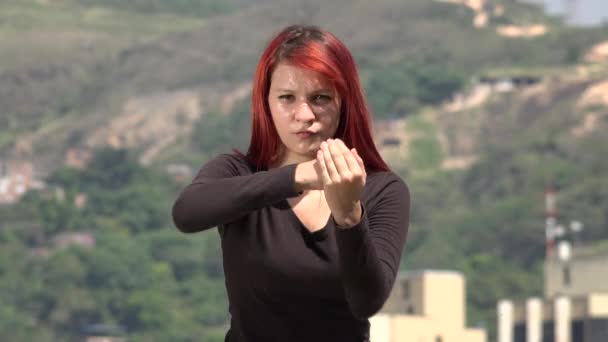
(212, 199)
(370, 252)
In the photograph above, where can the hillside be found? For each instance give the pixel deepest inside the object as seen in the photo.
(98, 69)
(476, 122)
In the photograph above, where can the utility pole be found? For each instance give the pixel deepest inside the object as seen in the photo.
(550, 220)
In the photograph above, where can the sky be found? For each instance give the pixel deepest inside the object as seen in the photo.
(589, 12)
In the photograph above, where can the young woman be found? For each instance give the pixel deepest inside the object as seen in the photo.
(312, 221)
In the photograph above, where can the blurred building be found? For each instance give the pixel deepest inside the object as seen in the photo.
(16, 178)
(103, 333)
(67, 239)
(425, 306)
(574, 307)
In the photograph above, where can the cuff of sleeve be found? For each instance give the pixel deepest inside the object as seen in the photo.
(353, 236)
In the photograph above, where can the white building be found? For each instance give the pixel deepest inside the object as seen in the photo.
(574, 307)
(425, 306)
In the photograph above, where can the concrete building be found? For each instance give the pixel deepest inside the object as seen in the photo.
(425, 306)
(574, 307)
(581, 272)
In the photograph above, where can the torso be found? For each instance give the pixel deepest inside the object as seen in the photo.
(311, 209)
(281, 266)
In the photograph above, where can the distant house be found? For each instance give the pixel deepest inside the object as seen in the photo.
(390, 136)
(16, 178)
(425, 305)
(82, 239)
(509, 83)
(103, 333)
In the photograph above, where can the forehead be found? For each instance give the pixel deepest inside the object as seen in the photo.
(286, 76)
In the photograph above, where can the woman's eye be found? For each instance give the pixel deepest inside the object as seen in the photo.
(321, 99)
(286, 97)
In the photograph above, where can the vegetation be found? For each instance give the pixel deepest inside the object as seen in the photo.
(141, 275)
(195, 8)
(149, 282)
(488, 221)
(400, 89)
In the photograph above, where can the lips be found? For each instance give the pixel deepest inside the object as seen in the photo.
(305, 134)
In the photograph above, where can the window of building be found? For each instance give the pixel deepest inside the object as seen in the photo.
(577, 329)
(405, 290)
(597, 327)
(566, 275)
(520, 330)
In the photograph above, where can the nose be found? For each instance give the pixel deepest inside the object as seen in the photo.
(304, 113)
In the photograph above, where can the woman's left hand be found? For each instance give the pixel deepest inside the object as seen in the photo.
(343, 174)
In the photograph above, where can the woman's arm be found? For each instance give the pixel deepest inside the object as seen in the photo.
(370, 252)
(220, 194)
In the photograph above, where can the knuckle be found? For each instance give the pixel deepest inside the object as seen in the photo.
(349, 177)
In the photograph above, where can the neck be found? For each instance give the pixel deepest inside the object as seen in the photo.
(292, 158)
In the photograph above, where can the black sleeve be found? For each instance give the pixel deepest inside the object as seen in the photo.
(370, 252)
(220, 194)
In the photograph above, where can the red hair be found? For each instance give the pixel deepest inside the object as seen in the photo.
(312, 48)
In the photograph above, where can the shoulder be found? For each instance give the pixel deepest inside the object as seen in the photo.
(383, 179)
(228, 165)
(385, 185)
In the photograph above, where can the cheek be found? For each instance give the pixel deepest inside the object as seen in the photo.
(331, 117)
(280, 118)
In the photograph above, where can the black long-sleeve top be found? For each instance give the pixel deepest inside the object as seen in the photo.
(285, 283)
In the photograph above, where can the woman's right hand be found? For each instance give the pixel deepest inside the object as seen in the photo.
(307, 177)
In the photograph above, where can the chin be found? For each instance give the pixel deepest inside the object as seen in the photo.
(311, 149)
(308, 151)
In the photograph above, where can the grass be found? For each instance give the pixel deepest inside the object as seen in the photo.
(417, 125)
(425, 151)
(26, 16)
(67, 41)
(57, 33)
(60, 42)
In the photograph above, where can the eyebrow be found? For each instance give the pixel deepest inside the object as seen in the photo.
(322, 90)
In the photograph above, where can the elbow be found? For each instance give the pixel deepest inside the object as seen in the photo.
(366, 308)
(180, 219)
(368, 300)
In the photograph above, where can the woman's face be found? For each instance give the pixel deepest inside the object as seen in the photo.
(305, 109)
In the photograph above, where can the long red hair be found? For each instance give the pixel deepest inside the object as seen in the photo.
(315, 49)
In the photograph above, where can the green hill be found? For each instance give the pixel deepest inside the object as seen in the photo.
(86, 61)
(170, 84)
